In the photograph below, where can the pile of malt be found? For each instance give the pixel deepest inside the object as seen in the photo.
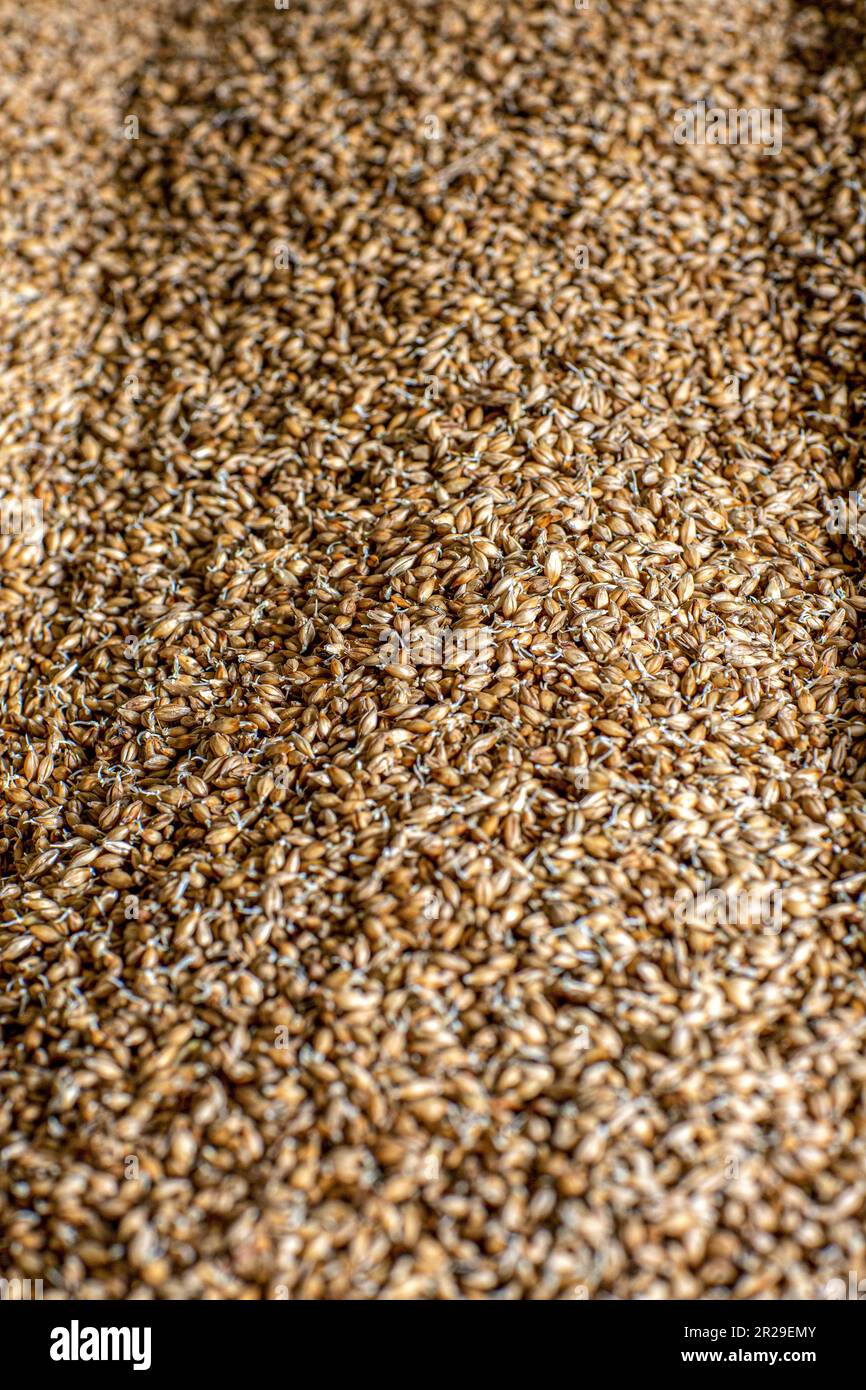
(436, 608)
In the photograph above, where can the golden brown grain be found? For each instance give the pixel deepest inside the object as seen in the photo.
(435, 583)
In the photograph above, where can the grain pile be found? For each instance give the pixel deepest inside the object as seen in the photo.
(343, 964)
